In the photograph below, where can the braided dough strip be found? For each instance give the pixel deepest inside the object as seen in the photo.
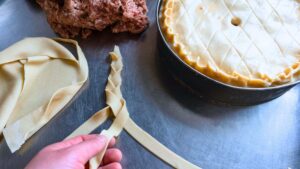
(117, 107)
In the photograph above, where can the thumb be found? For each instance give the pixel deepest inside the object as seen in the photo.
(85, 150)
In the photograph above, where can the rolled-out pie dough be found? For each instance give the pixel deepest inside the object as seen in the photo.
(117, 108)
(38, 77)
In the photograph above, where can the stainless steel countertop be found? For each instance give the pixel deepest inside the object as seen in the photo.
(265, 136)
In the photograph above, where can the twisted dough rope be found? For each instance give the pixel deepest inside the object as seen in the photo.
(117, 107)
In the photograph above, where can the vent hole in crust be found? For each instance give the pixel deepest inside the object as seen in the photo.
(236, 21)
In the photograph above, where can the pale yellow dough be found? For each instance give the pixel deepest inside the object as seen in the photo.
(117, 108)
(248, 43)
(38, 77)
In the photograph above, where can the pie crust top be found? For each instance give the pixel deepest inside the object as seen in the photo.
(248, 43)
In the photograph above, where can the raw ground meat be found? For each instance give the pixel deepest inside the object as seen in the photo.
(71, 18)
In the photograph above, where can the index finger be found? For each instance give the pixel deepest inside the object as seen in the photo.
(70, 142)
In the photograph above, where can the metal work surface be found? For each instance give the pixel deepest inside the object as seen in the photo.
(265, 136)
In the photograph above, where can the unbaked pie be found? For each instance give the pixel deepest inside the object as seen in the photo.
(248, 43)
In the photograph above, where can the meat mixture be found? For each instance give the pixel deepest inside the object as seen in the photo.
(71, 18)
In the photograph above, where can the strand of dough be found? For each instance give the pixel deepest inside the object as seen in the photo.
(38, 78)
(117, 108)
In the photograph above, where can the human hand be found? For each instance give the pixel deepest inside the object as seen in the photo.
(74, 153)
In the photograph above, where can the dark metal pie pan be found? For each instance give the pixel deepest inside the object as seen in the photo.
(206, 87)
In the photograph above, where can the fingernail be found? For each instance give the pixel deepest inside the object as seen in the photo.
(102, 138)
